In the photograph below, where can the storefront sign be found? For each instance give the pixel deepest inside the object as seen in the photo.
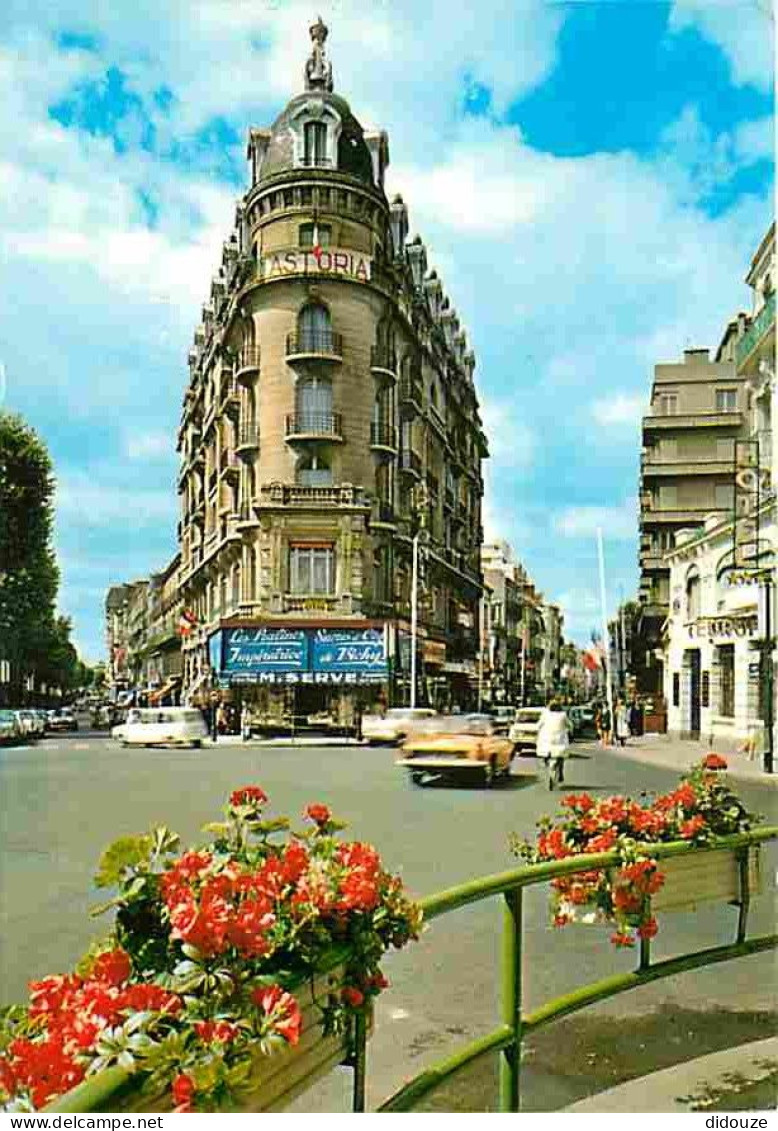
(264, 650)
(349, 650)
(725, 628)
(317, 261)
(338, 679)
(750, 481)
(434, 652)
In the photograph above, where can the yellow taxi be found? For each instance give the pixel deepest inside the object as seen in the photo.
(467, 747)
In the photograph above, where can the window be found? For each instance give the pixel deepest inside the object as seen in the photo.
(314, 405)
(312, 569)
(676, 689)
(726, 658)
(726, 400)
(725, 495)
(705, 693)
(314, 471)
(314, 329)
(668, 404)
(692, 597)
(315, 235)
(315, 143)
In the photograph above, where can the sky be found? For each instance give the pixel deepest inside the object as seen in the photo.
(591, 180)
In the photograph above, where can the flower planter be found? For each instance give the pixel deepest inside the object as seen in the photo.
(705, 877)
(275, 1080)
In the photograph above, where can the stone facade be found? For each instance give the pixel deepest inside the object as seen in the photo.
(330, 415)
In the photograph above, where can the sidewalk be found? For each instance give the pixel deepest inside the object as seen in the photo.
(711, 1083)
(680, 754)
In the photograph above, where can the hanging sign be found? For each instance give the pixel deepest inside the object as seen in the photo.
(329, 261)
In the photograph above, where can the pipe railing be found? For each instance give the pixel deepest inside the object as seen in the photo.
(507, 1037)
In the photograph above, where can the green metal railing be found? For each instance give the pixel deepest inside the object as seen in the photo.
(756, 330)
(507, 1038)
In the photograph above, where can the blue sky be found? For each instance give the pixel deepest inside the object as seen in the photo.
(591, 180)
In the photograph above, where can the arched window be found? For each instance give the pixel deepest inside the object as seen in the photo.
(692, 594)
(314, 470)
(314, 329)
(314, 143)
(314, 404)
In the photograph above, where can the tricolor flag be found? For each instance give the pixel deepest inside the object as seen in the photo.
(187, 623)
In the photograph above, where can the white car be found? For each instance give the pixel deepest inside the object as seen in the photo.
(396, 725)
(162, 726)
(10, 731)
(524, 732)
(29, 723)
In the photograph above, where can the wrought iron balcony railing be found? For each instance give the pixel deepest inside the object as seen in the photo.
(318, 425)
(383, 436)
(411, 462)
(315, 343)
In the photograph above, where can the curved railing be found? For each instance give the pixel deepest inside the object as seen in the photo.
(507, 1038)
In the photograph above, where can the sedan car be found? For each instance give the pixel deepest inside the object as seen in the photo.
(63, 719)
(10, 730)
(459, 746)
(396, 725)
(29, 723)
(524, 732)
(503, 717)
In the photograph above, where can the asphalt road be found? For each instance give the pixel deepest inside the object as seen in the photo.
(64, 799)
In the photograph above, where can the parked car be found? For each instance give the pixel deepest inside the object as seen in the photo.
(524, 732)
(29, 723)
(43, 719)
(459, 746)
(63, 719)
(575, 721)
(162, 726)
(10, 730)
(396, 725)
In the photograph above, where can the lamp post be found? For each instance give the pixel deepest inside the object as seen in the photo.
(767, 670)
(419, 536)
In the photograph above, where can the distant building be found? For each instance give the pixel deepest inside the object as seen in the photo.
(697, 411)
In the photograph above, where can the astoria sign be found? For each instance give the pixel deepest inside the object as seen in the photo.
(330, 262)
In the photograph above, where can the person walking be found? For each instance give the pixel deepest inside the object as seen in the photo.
(606, 726)
(553, 741)
(622, 722)
(635, 719)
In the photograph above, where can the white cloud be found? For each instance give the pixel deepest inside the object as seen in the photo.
(149, 445)
(745, 32)
(90, 500)
(511, 440)
(621, 408)
(617, 523)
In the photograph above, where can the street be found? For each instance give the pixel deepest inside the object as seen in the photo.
(66, 798)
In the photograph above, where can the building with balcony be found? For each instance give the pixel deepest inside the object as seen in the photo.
(697, 412)
(330, 416)
(720, 668)
(162, 651)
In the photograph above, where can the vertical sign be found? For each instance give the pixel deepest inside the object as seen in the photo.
(745, 525)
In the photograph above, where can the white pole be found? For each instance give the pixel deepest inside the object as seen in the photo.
(482, 635)
(414, 615)
(605, 637)
(523, 662)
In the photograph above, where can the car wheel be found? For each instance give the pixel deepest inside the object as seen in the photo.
(417, 778)
(197, 744)
(490, 773)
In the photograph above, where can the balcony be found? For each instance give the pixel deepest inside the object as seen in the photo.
(383, 439)
(663, 516)
(231, 397)
(382, 517)
(383, 363)
(756, 333)
(299, 495)
(411, 396)
(674, 423)
(229, 466)
(303, 426)
(198, 512)
(410, 463)
(315, 603)
(437, 422)
(212, 480)
(655, 469)
(248, 439)
(247, 364)
(449, 501)
(321, 345)
(198, 458)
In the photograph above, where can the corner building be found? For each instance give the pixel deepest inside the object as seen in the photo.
(331, 415)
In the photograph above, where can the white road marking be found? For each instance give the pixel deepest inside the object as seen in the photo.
(399, 1014)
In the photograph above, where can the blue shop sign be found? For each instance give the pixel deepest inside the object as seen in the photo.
(265, 650)
(215, 651)
(359, 651)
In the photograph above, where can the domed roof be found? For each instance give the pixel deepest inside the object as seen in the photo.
(353, 156)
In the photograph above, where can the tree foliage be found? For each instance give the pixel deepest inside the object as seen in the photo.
(32, 637)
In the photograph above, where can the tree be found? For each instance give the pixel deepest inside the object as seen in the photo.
(32, 637)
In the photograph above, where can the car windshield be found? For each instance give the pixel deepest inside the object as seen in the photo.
(528, 716)
(463, 724)
(7, 716)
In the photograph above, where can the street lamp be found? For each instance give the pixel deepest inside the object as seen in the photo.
(419, 537)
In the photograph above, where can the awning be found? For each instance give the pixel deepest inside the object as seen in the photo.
(158, 695)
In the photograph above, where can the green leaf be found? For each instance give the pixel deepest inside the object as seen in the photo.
(125, 853)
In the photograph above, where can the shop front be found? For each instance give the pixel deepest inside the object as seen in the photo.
(312, 676)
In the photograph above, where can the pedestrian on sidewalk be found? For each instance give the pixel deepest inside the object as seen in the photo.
(553, 741)
(606, 727)
(622, 722)
(245, 723)
(635, 719)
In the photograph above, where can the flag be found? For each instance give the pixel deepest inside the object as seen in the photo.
(187, 623)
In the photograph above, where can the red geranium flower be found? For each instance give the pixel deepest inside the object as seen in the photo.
(183, 1091)
(112, 968)
(622, 939)
(691, 827)
(248, 795)
(281, 1009)
(648, 929)
(223, 1031)
(318, 813)
(352, 996)
(714, 762)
